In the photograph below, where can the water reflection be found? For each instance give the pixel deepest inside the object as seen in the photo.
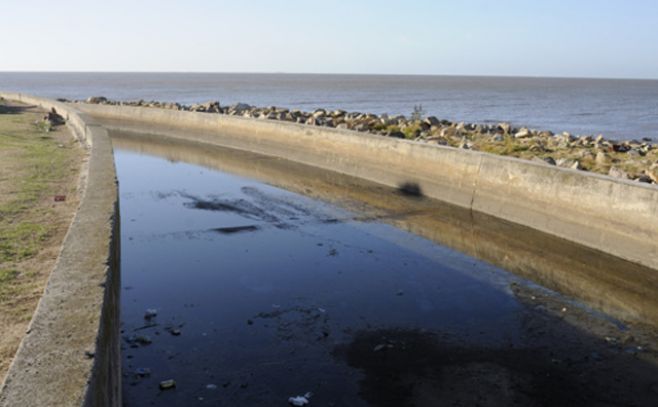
(608, 283)
(262, 293)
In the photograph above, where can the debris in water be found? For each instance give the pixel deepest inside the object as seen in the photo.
(142, 372)
(139, 340)
(235, 229)
(382, 346)
(167, 384)
(211, 386)
(399, 293)
(300, 400)
(150, 313)
(175, 331)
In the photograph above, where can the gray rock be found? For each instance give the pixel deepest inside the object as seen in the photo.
(602, 158)
(644, 178)
(395, 134)
(448, 132)
(523, 133)
(240, 107)
(617, 173)
(506, 128)
(96, 99)
(432, 121)
(652, 172)
(547, 160)
(319, 113)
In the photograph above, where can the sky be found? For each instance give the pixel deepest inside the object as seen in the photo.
(574, 38)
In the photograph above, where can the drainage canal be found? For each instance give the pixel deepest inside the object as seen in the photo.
(239, 293)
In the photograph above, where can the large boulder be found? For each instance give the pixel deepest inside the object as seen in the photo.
(432, 121)
(523, 133)
(506, 128)
(96, 100)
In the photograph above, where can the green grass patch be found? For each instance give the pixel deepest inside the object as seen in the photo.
(21, 241)
(41, 164)
(7, 275)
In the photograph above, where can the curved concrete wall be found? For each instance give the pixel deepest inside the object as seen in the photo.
(615, 216)
(598, 279)
(70, 355)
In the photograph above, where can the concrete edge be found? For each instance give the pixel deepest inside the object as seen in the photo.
(70, 355)
(615, 216)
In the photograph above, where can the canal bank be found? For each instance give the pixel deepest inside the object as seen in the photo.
(622, 215)
(70, 352)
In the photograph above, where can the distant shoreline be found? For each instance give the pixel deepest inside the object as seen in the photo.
(399, 75)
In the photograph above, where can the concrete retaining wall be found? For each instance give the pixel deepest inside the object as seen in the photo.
(615, 216)
(70, 355)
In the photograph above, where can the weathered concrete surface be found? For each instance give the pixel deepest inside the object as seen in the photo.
(70, 355)
(614, 216)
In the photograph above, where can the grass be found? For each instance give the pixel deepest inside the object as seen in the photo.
(44, 164)
(37, 162)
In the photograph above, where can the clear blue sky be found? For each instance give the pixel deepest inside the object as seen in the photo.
(582, 38)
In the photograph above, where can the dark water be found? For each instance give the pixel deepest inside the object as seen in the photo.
(616, 108)
(263, 294)
(264, 306)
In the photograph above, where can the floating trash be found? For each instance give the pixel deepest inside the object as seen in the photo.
(142, 372)
(167, 384)
(300, 400)
(139, 340)
(150, 313)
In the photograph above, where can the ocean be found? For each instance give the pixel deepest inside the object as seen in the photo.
(616, 108)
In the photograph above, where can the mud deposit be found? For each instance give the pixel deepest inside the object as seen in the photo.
(245, 294)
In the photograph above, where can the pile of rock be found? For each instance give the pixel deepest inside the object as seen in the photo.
(632, 159)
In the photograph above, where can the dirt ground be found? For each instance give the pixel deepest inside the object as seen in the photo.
(39, 194)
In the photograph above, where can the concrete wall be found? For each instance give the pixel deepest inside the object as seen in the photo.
(615, 216)
(593, 277)
(70, 355)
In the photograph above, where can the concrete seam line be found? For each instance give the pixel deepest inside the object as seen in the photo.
(475, 184)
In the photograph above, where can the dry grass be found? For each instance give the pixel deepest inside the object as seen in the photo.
(35, 165)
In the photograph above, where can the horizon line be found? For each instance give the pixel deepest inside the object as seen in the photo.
(525, 76)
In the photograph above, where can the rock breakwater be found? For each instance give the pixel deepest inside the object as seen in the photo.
(628, 159)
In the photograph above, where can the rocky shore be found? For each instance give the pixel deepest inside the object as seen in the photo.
(629, 159)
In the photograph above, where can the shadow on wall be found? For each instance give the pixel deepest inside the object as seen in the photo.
(411, 189)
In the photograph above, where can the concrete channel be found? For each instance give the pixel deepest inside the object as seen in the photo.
(587, 236)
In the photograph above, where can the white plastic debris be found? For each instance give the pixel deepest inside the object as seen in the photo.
(150, 313)
(300, 400)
